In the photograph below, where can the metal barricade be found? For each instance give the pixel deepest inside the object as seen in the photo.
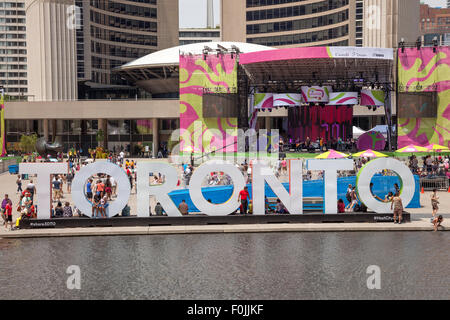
(439, 183)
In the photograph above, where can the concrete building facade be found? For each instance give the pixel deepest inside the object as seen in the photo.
(198, 35)
(386, 22)
(114, 32)
(434, 24)
(289, 23)
(13, 51)
(51, 51)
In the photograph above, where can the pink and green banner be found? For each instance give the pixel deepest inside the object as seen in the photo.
(425, 70)
(316, 53)
(316, 94)
(343, 98)
(2, 124)
(372, 97)
(287, 100)
(263, 101)
(197, 77)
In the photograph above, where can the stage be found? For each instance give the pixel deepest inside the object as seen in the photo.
(199, 219)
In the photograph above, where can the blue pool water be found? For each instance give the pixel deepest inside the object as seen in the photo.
(314, 188)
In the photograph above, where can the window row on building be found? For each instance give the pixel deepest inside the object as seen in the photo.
(12, 12)
(13, 74)
(13, 28)
(118, 51)
(310, 23)
(13, 82)
(117, 7)
(13, 51)
(12, 36)
(260, 3)
(97, 3)
(15, 90)
(123, 23)
(12, 20)
(13, 59)
(199, 34)
(308, 37)
(13, 67)
(12, 44)
(130, 38)
(12, 4)
(295, 11)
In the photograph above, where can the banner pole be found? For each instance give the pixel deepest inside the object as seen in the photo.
(2, 123)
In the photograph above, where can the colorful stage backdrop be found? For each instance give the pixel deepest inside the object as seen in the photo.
(424, 71)
(329, 122)
(197, 78)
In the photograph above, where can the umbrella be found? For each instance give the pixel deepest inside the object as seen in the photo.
(332, 154)
(369, 154)
(436, 147)
(412, 149)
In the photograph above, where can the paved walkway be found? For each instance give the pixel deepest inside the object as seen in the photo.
(415, 225)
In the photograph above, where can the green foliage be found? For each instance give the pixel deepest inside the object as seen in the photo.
(28, 143)
(100, 135)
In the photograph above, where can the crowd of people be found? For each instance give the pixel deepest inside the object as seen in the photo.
(320, 144)
(430, 168)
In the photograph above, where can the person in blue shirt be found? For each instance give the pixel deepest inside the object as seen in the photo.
(89, 189)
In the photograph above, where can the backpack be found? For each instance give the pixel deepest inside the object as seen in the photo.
(357, 208)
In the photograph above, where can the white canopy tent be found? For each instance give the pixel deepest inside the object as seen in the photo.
(357, 132)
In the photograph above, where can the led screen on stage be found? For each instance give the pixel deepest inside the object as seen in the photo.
(220, 105)
(417, 104)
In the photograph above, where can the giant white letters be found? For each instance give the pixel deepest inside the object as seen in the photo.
(161, 192)
(369, 170)
(261, 173)
(195, 187)
(42, 183)
(293, 201)
(123, 187)
(330, 168)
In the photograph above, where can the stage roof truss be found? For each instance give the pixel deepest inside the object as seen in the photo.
(321, 70)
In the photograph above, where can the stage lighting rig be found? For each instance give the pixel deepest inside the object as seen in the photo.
(222, 48)
(435, 44)
(402, 44)
(418, 43)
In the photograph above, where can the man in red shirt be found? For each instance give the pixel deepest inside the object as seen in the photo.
(243, 197)
(8, 214)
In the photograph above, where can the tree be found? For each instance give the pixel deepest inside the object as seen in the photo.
(100, 137)
(28, 143)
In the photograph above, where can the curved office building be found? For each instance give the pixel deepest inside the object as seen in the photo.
(115, 32)
(289, 23)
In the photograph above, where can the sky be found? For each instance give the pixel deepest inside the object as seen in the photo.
(193, 12)
(432, 3)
